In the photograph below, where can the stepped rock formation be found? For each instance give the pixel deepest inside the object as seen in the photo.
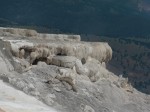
(65, 73)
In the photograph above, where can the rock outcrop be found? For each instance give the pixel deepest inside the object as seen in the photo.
(69, 75)
(13, 100)
(82, 50)
(32, 34)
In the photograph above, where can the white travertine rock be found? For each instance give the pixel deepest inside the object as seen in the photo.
(21, 53)
(17, 32)
(82, 50)
(66, 54)
(40, 52)
(48, 83)
(64, 61)
(69, 77)
(13, 100)
(80, 69)
(3, 66)
(60, 37)
(68, 73)
(103, 72)
(103, 64)
(93, 60)
(14, 45)
(96, 70)
(41, 64)
(88, 109)
(49, 59)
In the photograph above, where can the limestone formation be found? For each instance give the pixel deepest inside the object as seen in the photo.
(79, 50)
(49, 59)
(87, 108)
(103, 64)
(95, 70)
(100, 51)
(14, 50)
(27, 48)
(68, 73)
(68, 45)
(80, 69)
(16, 32)
(20, 32)
(123, 83)
(69, 81)
(21, 53)
(62, 63)
(68, 76)
(40, 52)
(88, 58)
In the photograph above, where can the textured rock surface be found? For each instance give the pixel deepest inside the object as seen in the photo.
(69, 46)
(16, 32)
(76, 80)
(13, 100)
(64, 61)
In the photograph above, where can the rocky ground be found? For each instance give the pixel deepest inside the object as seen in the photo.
(13, 100)
(69, 79)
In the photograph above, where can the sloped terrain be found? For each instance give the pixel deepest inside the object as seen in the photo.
(13, 100)
(64, 79)
(131, 58)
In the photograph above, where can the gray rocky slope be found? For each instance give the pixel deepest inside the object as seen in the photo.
(65, 73)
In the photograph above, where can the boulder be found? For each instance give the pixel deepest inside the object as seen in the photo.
(80, 69)
(64, 61)
(95, 70)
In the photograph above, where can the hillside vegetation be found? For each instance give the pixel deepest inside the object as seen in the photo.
(103, 17)
(130, 58)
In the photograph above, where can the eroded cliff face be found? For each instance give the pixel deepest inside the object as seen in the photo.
(65, 73)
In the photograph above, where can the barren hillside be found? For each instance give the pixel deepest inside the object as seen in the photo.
(65, 73)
